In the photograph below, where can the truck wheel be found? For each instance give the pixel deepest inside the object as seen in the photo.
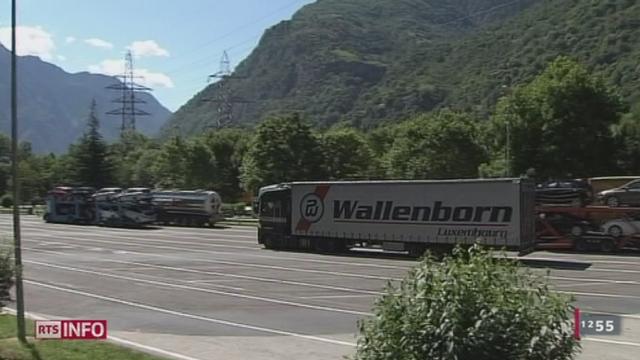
(607, 246)
(612, 201)
(576, 231)
(615, 231)
(580, 246)
(46, 217)
(270, 243)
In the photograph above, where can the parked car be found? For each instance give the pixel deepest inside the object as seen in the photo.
(564, 192)
(627, 194)
(622, 227)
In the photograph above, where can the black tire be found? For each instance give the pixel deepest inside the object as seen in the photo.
(607, 246)
(612, 201)
(615, 231)
(576, 231)
(45, 217)
(580, 246)
(270, 243)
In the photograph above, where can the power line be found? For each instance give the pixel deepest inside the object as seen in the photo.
(225, 98)
(226, 35)
(491, 9)
(128, 99)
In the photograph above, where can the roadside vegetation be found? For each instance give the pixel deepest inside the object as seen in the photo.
(471, 305)
(564, 123)
(12, 349)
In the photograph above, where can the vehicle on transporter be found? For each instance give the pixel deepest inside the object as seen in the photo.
(109, 206)
(70, 205)
(117, 208)
(187, 208)
(589, 228)
(407, 216)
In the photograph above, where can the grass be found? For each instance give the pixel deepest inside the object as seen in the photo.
(11, 349)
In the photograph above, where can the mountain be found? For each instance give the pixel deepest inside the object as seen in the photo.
(53, 105)
(370, 61)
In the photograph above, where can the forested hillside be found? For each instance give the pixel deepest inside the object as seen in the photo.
(367, 62)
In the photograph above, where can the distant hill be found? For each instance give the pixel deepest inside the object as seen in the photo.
(370, 61)
(53, 104)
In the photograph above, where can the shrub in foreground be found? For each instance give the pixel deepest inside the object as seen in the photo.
(6, 201)
(471, 305)
(6, 273)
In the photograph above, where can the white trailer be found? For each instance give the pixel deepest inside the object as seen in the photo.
(398, 215)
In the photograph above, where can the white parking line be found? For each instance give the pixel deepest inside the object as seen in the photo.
(333, 296)
(189, 316)
(287, 258)
(274, 267)
(192, 288)
(607, 341)
(604, 281)
(224, 274)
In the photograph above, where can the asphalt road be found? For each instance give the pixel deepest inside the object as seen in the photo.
(193, 293)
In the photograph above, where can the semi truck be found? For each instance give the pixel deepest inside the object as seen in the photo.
(405, 216)
(187, 208)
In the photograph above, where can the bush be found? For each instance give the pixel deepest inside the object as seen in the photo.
(6, 201)
(6, 273)
(471, 305)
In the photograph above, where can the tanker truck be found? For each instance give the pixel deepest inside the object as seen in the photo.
(187, 208)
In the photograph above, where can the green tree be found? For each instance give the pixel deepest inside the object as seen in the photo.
(628, 137)
(436, 146)
(125, 154)
(228, 147)
(560, 124)
(171, 167)
(472, 305)
(200, 165)
(90, 156)
(347, 154)
(283, 149)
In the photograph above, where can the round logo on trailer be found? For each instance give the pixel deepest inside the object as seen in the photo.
(311, 208)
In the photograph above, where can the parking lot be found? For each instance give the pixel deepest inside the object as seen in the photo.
(200, 293)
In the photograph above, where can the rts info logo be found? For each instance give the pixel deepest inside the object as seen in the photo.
(71, 329)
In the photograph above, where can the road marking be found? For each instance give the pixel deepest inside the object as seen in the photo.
(585, 261)
(616, 296)
(189, 316)
(614, 270)
(577, 285)
(604, 281)
(627, 343)
(333, 296)
(287, 258)
(206, 272)
(111, 236)
(192, 288)
(148, 348)
(274, 267)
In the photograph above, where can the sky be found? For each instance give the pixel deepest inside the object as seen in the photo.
(175, 44)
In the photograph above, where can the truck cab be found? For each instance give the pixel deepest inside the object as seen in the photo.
(274, 213)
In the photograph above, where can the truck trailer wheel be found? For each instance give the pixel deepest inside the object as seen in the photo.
(607, 246)
(270, 243)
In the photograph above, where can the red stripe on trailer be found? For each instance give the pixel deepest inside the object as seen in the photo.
(321, 191)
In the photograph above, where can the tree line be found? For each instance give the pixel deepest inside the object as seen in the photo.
(564, 123)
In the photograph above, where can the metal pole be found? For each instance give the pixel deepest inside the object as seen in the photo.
(507, 150)
(16, 180)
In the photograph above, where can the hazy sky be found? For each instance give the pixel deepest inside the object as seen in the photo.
(176, 43)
